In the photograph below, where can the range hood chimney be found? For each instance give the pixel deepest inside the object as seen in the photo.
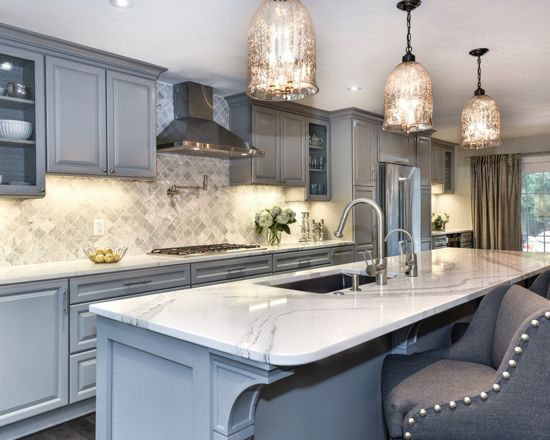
(194, 132)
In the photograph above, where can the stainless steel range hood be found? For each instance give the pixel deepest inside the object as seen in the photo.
(194, 131)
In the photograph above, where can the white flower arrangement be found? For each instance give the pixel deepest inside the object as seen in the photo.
(275, 220)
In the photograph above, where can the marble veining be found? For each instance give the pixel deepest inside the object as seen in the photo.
(282, 327)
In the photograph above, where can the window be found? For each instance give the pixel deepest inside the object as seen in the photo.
(535, 204)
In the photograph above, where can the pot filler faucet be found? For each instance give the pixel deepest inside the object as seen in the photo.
(375, 267)
(411, 260)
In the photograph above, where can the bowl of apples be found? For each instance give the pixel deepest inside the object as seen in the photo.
(105, 256)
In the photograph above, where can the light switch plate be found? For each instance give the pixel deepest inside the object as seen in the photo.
(99, 227)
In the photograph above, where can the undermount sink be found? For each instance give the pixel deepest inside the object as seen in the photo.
(324, 284)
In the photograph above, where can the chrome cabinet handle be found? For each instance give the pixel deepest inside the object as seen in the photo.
(104, 170)
(137, 283)
(112, 171)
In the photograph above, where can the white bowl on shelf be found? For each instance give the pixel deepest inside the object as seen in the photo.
(11, 129)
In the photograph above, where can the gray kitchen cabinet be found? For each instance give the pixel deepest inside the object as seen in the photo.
(425, 214)
(396, 148)
(230, 269)
(443, 166)
(132, 282)
(82, 376)
(318, 160)
(293, 149)
(99, 122)
(131, 126)
(266, 127)
(343, 255)
(364, 221)
(33, 349)
(425, 245)
(366, 137)
(424, 160)
(82, 324)
(299, 260)
(76, 118)
(23, 162)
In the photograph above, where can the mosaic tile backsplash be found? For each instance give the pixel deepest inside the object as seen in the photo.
(137, 214)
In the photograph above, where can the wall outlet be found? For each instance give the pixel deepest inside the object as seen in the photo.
(99, 227)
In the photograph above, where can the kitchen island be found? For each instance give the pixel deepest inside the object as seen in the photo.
(194, 364)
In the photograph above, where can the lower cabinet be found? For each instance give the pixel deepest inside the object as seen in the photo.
(343, 255)
(34, 335)
(82, 373)
(287, 261)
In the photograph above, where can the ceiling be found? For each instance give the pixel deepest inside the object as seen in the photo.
(359, 43)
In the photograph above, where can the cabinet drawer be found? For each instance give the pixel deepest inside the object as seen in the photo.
(301, 260)
(232, 269)
(97, 287)
(343, 255)
(82, 368)
(82, 328)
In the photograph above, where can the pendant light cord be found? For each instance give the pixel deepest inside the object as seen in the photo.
(479, 72)
(409, 45)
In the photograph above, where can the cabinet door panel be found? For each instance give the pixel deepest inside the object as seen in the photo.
(33, 350)
(363, 218)
(395, 148)
(426, 214)
(75, 117)
(266, 137)
(438, 160)
(424, 160)
(131, 126)
(293, 150)
(343, 255)
(82, 370)
(365, 141)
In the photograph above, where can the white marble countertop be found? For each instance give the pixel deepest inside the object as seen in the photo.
(68, 269)
(285, 327)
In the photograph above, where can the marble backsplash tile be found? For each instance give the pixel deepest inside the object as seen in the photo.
(137, 214)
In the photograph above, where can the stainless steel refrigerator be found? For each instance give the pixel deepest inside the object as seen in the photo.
(400, 197)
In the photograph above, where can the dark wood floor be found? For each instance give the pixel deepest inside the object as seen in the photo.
(78, 429)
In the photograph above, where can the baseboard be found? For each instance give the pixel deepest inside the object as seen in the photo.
(47, 420)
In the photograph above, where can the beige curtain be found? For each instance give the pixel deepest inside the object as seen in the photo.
(496, 201)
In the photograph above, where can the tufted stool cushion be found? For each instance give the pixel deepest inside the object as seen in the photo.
(409, 381)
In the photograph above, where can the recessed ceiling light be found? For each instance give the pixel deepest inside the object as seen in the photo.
(6, 65)
(124, 4)
(354, 88)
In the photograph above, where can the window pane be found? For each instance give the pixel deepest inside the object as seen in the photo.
(535, 182)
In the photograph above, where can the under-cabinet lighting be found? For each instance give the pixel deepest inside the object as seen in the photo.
(355, 88)
(124, 4)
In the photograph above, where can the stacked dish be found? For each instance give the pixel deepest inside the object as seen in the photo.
(11, 129)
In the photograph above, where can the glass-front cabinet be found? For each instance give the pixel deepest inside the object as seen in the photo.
(318, 175)
(22, 132)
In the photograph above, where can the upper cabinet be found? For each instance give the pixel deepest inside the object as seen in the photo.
(396, 148)
(131, 126)
(424, 159)
(99, 122)
(365, 141)
(443, 166)
(22, 130)
(89, 113)
(294, 144)
(76, 117)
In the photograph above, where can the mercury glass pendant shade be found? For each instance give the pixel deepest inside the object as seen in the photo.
(408, 99)
(281, 52)
(480, 121)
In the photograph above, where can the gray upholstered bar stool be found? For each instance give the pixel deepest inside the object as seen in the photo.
(494, 383)
(541, 285)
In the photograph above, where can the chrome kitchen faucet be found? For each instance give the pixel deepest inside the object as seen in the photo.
(376, 267)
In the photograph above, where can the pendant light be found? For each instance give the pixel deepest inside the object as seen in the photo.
(281, 52)
(408, 97)
(480, 117)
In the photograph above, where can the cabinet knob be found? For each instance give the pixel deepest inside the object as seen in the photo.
(42, 190)
(112, 171)
(104, 170)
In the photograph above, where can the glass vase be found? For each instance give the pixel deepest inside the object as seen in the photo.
(273, 237)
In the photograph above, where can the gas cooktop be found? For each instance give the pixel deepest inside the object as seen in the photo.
(185, 251)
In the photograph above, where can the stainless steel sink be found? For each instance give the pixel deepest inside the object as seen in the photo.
(324, 284)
